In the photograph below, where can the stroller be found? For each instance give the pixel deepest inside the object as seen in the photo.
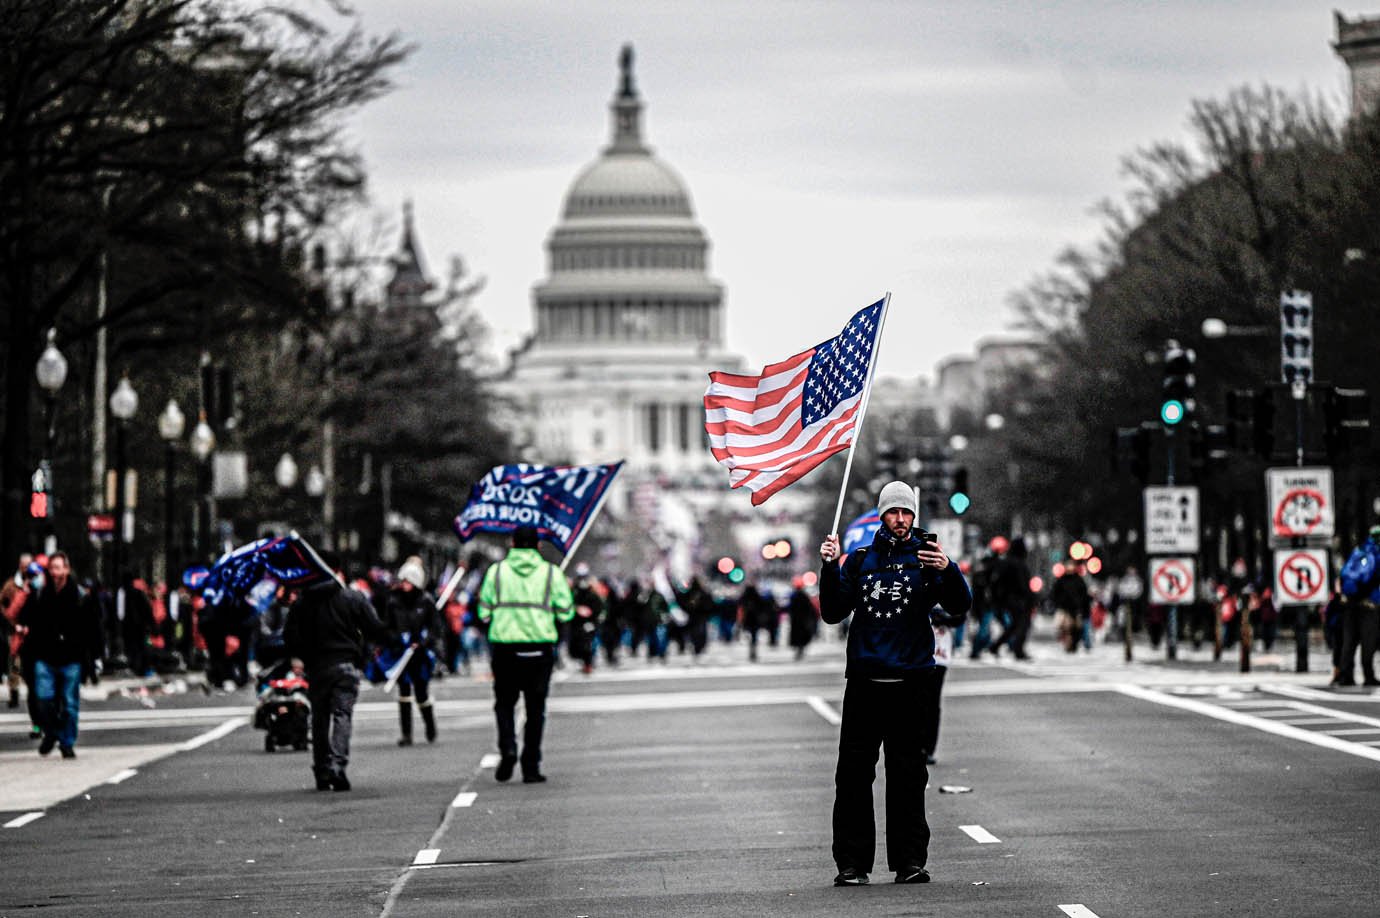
(284, 712)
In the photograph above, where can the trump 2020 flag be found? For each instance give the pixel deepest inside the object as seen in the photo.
(770, 430)
(287, 559)
(557, 501)
(861, 531)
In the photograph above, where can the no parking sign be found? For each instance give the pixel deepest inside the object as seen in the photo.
(1171, 581)
(1300, 577)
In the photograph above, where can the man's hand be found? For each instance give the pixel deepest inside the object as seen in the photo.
(829, 549)
(932, 555)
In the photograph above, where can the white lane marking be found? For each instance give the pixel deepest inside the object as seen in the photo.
(1249, 720)
(1306, 708)
(464, 798)
(1310, 721)
(120, 776)
(426, 856)
(24, 820)
(489, 760)
(1078, 911)
(981, 835)
(210, 736)
(824, 709)
(1351, 731)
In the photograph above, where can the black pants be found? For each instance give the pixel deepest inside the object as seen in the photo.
(1360, 627)
(876, 715)
(530, 677)
(333, 691)
(929, 724)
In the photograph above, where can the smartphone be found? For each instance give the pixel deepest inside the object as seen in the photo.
(928, 538)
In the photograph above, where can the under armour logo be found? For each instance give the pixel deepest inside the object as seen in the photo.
(890, 591)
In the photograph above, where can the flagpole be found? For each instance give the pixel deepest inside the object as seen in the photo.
(594, 515)
(450, 586)
(862, 411)
(315, 557)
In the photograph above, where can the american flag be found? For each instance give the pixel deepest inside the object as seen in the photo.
(771, 430)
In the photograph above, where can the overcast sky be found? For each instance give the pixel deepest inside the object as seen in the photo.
(834, 150)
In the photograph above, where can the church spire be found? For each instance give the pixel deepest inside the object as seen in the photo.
(409, 283)
(627, 109)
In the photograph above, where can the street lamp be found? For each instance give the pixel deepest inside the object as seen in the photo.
(171, 423)
(1214, 327)
(285, 472)
(203, 442)
(124, 402)
(52, 373)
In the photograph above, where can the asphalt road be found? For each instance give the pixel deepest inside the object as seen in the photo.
(1097, 789)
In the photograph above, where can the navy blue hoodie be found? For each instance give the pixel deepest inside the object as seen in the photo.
(891, 598)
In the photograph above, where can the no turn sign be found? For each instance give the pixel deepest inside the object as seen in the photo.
(1171, 581)
(1301, 577)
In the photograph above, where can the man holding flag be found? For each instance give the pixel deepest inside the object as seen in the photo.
(328, 629)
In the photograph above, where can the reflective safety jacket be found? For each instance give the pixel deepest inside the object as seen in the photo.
(522, 598)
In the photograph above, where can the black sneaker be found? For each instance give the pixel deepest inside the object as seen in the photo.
(323, 782)
(47, 745)
(504, 771)
(67, 752)
(339, 782)
(850, 876)
(533, 777)
(913, 875)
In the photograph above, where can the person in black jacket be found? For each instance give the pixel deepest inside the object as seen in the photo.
(327, 629)
(415, 622)
(891, 591)
(62, 633)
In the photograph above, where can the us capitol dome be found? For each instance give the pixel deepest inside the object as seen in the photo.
(627, 322)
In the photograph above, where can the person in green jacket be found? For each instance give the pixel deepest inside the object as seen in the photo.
(521, 599)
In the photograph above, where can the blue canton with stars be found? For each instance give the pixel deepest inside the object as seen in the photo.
(838, 369)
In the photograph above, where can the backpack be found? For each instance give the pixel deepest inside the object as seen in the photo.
(1359, 571)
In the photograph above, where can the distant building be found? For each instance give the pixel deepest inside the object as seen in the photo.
(1358, 44)
(627, 325)
(972, 386)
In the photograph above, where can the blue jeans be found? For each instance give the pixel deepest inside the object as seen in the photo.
(58, 716)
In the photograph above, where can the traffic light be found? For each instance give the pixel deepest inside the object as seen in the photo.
(1347, 416)
(959, 498)
(1296, 337)
(39, 507)
(1207, 445)
(1132, 452)
(1177, 398)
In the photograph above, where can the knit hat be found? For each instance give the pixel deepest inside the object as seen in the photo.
(897, 494)
(413, 573)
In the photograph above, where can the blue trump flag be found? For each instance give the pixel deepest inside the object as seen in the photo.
(861, 531)
(287, 559)
(557, 501)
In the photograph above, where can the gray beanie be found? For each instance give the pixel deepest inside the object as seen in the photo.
(897, 494)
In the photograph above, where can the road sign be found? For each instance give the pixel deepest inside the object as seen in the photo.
(1171, 520)
(1300, 504)
(1300, 577)
(1171, 581)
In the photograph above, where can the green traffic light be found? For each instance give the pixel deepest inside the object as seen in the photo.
(959, 502)
(736, 575)
(1172, 412)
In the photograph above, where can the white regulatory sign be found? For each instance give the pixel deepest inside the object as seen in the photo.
(1300, 503)
(1171, 520)
(1171, 581)
(1300, 576)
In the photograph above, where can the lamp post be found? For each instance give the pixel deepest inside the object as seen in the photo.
(52, 373)
(203, 443)
(316, 487)
(171, 424)
(124, 402)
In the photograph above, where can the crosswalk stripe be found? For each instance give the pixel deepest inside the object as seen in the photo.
(24, 820)
(426, 857)
(1078, 911)
(464, 798)
(981, 835)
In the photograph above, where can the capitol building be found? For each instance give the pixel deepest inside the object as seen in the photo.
(627, 325)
